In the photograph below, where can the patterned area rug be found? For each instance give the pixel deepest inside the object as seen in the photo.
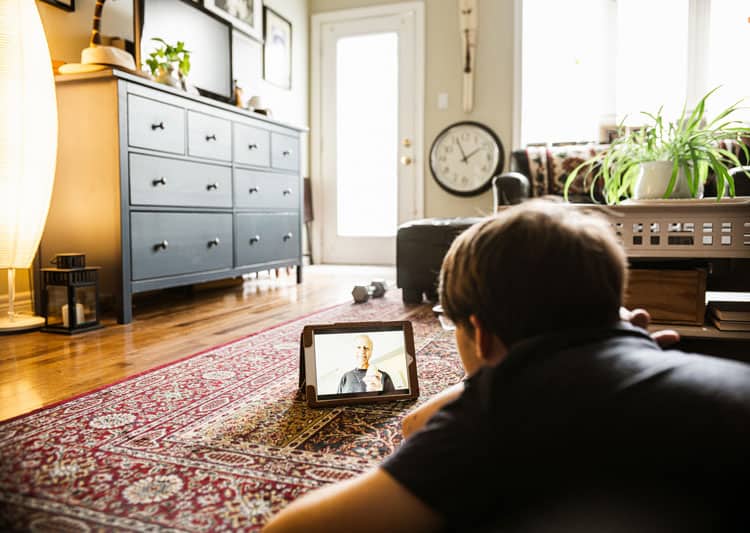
(217, 441)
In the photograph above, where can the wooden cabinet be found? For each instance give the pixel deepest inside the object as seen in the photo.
(162, 189)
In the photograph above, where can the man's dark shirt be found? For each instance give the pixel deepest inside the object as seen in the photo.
(353, 381)
(588, 425)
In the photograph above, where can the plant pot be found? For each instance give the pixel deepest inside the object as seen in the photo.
(653, 180)
(167, 77)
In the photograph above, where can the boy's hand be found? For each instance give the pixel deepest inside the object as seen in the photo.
(640, 318)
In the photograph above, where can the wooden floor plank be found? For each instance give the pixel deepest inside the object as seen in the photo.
(38, 369)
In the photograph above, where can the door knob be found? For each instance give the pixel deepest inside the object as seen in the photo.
(406, 142)
(406, 160)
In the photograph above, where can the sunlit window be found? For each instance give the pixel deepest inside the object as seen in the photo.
(601, 61)
(729, 42)
(566, 69)
(652, 59)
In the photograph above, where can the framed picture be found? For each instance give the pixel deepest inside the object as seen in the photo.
(245, 15)
(277, 49)
(67, 5)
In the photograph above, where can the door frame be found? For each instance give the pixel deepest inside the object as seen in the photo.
(316, 93)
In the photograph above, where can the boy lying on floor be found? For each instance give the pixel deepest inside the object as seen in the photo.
(570, 418)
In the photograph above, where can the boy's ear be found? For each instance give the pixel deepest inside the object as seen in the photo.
(489, 348)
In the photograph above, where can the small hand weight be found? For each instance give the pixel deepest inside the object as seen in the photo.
(362, 293)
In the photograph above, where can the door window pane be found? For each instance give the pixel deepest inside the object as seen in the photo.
(367, 135)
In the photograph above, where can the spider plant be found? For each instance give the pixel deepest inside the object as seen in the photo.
(691, 143)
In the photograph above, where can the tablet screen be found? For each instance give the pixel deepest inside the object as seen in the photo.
(347, 362)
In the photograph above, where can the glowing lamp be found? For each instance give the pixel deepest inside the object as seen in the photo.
(28, 144)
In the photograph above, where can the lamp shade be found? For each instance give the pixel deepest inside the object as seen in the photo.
(28, 138)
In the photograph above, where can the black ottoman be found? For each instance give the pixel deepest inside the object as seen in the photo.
(420, 248)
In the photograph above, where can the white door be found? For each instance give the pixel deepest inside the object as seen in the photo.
(369, 121)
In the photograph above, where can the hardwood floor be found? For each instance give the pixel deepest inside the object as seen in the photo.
(37, 369)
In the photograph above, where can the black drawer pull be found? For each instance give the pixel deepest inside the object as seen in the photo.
(252, 146)
(211, 137)
(286, 192)
(286, 153)
(159, 126)
(288, 236)
(159, 181)
(214, 186)
(253, 189)
(161, 245)
(214, 242)
(254, 239)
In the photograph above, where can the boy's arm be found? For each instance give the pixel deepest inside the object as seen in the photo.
(417, 418)
(373, 501)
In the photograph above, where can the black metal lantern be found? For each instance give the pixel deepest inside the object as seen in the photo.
(70, 298)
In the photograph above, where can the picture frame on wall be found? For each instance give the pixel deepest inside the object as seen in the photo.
(67, 5)
(277, 49)
(245, 15)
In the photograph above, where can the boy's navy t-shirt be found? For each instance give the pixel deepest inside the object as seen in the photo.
(597, 425)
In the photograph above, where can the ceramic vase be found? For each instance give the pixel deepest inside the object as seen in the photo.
(653, 179)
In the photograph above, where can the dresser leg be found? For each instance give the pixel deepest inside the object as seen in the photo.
(125, 311)
(299, 273)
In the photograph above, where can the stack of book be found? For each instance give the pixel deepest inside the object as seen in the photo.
(730, 316)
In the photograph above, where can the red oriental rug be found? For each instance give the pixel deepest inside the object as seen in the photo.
(217, 441)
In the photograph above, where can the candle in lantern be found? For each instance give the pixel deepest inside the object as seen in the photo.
(79, 315)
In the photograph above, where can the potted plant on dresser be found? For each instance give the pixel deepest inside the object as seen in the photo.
(669, 159)
(166, 59)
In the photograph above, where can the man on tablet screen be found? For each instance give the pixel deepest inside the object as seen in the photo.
(365, 377)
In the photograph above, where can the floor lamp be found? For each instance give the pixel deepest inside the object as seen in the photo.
(28, 144)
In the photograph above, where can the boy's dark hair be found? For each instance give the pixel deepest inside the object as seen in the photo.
(535, 267)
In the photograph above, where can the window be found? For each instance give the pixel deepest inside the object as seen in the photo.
(591, 66)
(728, 43)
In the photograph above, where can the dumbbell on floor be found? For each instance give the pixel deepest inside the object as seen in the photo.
(362, 293)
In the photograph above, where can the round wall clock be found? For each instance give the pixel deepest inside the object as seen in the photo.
(465, 157)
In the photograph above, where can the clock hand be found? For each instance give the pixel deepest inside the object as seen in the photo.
(463, 154)
(466, 157)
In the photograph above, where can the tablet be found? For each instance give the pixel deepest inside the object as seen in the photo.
(358, 362)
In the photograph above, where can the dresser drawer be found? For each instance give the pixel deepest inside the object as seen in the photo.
(168, 244)
(252, 146)
(267, 237)
(155, 125)
(284, 151)
(264, 189)
(171, 182)
(209, 137)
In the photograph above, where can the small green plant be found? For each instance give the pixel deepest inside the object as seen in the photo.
(167, 57)
(691, 143)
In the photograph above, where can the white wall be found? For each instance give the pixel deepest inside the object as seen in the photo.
(68, 33)
(493, 97)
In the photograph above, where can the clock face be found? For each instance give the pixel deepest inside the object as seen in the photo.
(465, 157)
